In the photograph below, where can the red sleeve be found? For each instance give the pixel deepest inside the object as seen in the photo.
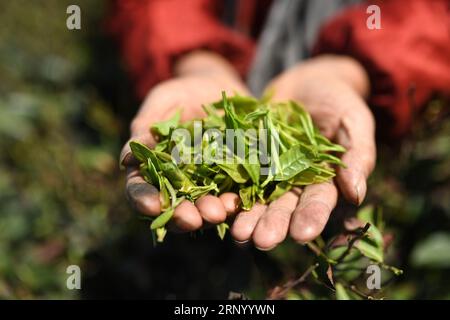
(152, 33)
(411, 50)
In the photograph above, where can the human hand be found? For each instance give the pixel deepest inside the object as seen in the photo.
(332, 90)
(201, 79)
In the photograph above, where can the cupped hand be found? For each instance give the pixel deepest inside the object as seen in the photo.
(188, 92)
(332, 90)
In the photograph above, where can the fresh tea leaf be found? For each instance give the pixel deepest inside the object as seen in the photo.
(163, 128)
(341, 293)
(275, 147)
(292, 162)
(236, 171)
(162, 219)
(140, 151)
(222, 229)
(370, 250)
(280, 189)
(247, 197)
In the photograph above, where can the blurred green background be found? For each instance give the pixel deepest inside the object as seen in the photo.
(65, 103)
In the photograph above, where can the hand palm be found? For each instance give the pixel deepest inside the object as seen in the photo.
(189, 94)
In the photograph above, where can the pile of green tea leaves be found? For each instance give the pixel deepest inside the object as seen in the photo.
(274, 147)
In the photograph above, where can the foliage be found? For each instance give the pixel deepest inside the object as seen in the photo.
(411, 189)
(58, 168)
(211, 164)
(341, 264)
(64, 108)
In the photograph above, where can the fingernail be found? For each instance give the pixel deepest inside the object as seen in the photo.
(361, 189)
(124, 157)
(265, 249)
(302, 243)
(124, 153)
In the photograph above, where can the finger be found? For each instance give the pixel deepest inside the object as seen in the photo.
(353, 223)
(273, 225)
(245, 222)
(126, 158)
(312, 213)
(231, 202)
(186, 217)
(357, 135)
(211, 209)
(143, 196)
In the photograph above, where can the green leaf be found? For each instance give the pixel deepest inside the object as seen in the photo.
(326, 145)
(236, 171)
(160, 234)
(370, 250)
(432, 252)
(280, 189)
(140, 151)
(292, 162)
(247, 197)
(154, 176)
(222, 229)
(257, 114)
(297, 155)
(163, 128)
(213, 120)
(253, 171)
(330, 159)
(177, 177)
(304, 178)
(274, 144)
(366, 214)
(226, 185)
(243, 104)
(259, 192)
(232, 120)
(198, 191)
(306, 122)
(350, 266)
(267, 95)
(164, 195)
(341, 293)
(162, 146)
(162, 219)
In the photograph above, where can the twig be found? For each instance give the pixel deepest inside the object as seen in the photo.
(358, 292)
(353, 241)
(314, 248)
(293, 283)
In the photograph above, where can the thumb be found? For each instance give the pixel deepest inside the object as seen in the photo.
(126, 158)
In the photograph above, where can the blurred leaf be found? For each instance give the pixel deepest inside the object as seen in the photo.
(341, 293)
(366, 213)
(351, 266)
(222, 229)
(370, 250)
(432, 252)
(163, 128)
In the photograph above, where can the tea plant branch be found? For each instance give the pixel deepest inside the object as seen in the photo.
(318, 252)
(352, 242)
(354, 289)
(291, 284)
(298, 155)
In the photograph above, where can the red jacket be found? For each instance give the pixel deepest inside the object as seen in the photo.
(411, 51)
